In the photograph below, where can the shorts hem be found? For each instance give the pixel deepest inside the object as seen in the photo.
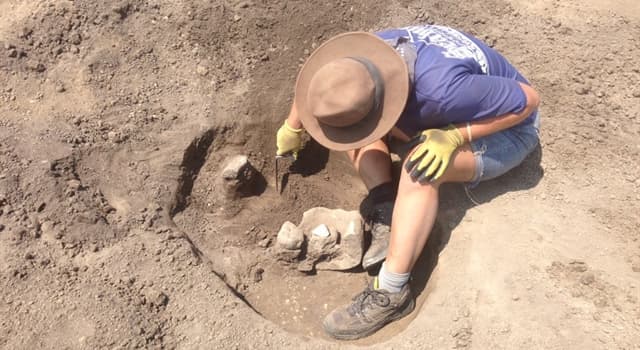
(478, 150)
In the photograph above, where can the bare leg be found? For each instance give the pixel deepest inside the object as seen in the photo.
(373, 163)
(415, 212)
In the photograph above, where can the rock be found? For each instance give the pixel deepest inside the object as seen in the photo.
(18, 235)
(264, 243)
(635, 264)
(155, 297)
(202, 70)
(601, 302)
(583, 90)
(290, 237)
(238, 177)
(1, 227)
(343, 248)
(57, 50)
(321, 231)
(286, 255)
(35, 225)
(74, 184)
(12, 53)
(50, 231)
(25, 32)
(257, 274)
(36, 66)
(306, 266)
(235, 165)
(578, 266)
(75, 38)
(112, 136)
(587, 279)
(60, 88)
(321, 247)
(122, 10)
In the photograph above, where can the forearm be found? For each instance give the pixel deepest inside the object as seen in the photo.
(485, 127)
(293, 120)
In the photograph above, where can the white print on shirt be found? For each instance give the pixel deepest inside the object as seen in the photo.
(453, 43)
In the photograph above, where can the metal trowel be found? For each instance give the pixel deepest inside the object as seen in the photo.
(288, 156)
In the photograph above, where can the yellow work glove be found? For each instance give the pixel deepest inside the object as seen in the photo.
(288, 140)
(433, 154)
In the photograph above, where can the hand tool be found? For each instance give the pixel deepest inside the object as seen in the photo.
(289, 156)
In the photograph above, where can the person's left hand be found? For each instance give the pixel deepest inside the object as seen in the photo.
(433, 154)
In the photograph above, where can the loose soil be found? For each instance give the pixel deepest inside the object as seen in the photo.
(116, 118)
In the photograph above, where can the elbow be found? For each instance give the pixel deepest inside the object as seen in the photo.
(533, 101)
(533, 98)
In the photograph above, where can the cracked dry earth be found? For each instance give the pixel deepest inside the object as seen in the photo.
(115, 118)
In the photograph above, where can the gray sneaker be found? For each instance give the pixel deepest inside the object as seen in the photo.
(369, 311)
(380, 223)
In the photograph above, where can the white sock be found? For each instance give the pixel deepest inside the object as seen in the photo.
(391, 282)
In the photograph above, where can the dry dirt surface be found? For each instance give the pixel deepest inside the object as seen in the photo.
(115, 120)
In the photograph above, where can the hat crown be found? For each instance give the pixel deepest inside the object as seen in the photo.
(341, 93)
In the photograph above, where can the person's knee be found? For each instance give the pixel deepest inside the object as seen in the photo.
(374, 150)
(461, 168)
(407, 184)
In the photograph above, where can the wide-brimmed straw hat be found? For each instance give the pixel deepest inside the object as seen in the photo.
(351, 91)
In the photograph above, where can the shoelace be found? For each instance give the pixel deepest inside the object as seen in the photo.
(368, 297)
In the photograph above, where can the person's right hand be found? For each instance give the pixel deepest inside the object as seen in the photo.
(288, 140)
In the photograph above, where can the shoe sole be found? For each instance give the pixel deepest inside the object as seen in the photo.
(406, 311)
(373, 262)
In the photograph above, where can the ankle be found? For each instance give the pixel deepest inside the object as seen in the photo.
(391, 281)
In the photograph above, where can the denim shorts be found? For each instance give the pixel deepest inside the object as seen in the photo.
(500, 152)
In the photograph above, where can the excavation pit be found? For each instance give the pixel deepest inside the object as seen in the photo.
(238, 234)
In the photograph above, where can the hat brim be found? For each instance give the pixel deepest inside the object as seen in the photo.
(394, 73)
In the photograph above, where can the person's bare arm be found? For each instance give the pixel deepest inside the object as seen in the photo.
(480, 128)
(488, 126)
(293, 120)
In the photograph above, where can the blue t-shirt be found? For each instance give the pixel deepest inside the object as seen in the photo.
(457, 78)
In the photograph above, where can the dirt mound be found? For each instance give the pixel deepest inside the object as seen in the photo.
(117, 118)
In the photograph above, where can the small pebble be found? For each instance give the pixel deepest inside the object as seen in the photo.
(202, 70)
(583, 90)
(635, 266)
(587, 279)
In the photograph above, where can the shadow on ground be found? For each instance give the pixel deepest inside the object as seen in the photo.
(455, 202)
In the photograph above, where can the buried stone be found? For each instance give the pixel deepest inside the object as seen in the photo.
(238, 177)
(333, 237)
(289, 242)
